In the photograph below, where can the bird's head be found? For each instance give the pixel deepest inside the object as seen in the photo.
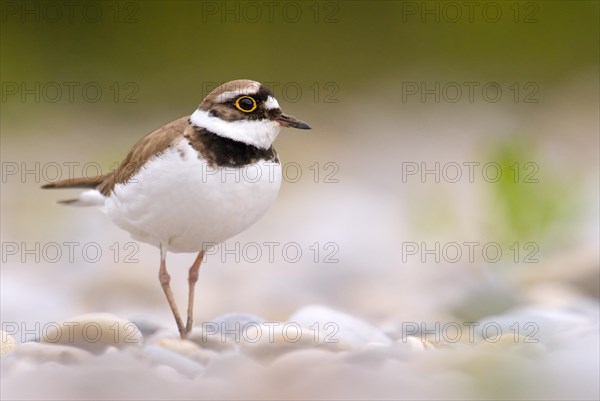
(245, 111)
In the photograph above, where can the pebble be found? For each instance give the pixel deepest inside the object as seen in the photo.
(225, 332)
(42, 353)
(332, 325)
(268, 341)
(311, 327)
(243, 355)
(536, 324)
(8, 343)
(232, 365)
(372, 354)
(295, 362)
(231, 325)
(208, 340)
(94, 332)
(146, 326)
(162, 356)
(187, 348)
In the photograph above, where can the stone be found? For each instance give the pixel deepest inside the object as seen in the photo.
(187, 348)
(272, 339)
(225, 332)
(93, 332)
(372, 354)
(163, 356)
(42, 353)
(332, 326)
(146, 326)
(211, 341)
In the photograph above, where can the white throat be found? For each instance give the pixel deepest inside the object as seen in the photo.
(260, 133)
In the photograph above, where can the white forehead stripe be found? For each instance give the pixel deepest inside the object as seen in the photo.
(259, 133)
(271, 103)
(250, 89)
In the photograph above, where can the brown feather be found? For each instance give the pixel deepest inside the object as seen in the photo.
(80, 182)
(146, 148)
(149, 146)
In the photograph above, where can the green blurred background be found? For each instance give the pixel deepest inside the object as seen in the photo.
(171, 48)
(347, 68)
(344, 67)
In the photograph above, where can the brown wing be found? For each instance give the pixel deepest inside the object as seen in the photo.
(146, 148)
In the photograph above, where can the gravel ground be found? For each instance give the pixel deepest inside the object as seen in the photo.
(317, 353)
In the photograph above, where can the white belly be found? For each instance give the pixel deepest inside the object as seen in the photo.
(180, 201)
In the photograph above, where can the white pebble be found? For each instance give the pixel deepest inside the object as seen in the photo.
(225, 332)
(94, 332)
(332, 325)
(162, 356)
(187, 348)
(42, 353)
(268, 341)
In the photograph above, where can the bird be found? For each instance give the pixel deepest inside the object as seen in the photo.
(196, 181)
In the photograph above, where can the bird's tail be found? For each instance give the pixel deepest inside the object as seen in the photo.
(81, 182)
(92, 197)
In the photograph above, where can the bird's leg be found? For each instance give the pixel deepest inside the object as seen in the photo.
(165, 280)
(192, 278)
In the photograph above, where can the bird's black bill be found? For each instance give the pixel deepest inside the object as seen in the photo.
(292, 122)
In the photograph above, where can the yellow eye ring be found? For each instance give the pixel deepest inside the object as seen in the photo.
(246, 107)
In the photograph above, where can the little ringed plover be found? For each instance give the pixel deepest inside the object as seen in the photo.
(173, 190)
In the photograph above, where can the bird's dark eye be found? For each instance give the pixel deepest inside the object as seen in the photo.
(246, 104)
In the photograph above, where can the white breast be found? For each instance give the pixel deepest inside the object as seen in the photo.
(179, 200)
